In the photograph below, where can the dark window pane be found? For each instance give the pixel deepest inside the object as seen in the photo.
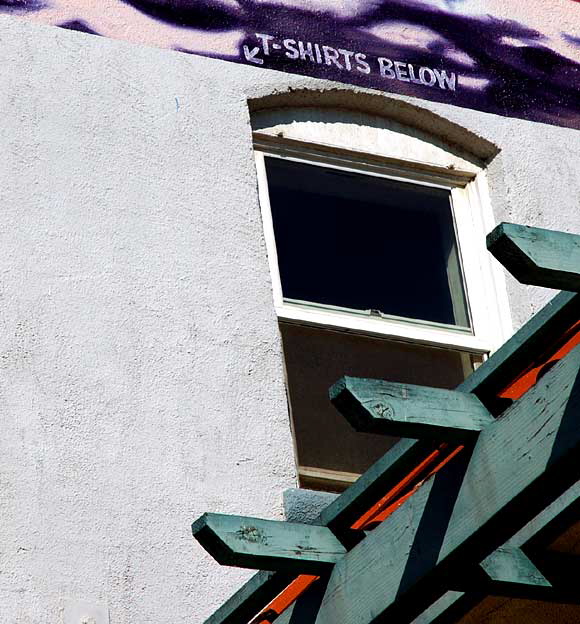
(316, 358)
(365, 243)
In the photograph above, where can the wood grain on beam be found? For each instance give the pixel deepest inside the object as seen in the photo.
(509, 571)
(536, 256)
(490, 378)
(267, 544)
(520, 464)
(409, 411)
(263, 587)
(509, 564)
(525, 347)
(561, 571)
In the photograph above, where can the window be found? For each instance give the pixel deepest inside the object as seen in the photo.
(379, 269)
(365, 244)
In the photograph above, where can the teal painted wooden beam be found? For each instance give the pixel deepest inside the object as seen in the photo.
(522, 349)
(255, 594)
(251, 598)
(534, 537)
(408, 411)
(512, 573)
(509, 564)
(509, 571)
(381, 477)
(519, 465)
(491, 377)
(268, 544)
(536, 256)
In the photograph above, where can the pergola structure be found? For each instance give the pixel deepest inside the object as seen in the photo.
(459, 510)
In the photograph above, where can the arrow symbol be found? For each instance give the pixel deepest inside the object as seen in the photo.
(251, 55)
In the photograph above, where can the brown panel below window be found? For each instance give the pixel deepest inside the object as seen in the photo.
(315, 359)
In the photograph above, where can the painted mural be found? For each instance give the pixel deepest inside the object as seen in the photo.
(508, 57)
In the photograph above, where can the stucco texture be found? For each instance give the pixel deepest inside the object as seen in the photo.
(141, 373)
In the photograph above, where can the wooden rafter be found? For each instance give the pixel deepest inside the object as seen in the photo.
(520, 464)
(269, 545)
(390, 489)
(409, 411)
(487, 382)
(538, 257)
(532, 538)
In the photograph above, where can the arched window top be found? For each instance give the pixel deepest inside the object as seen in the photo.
(288, 106)
(366, 133)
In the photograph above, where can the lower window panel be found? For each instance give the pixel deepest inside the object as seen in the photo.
(330, 454)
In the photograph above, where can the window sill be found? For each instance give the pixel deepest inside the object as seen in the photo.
(395, 329)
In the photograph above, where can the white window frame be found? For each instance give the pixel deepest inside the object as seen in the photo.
(472, 214)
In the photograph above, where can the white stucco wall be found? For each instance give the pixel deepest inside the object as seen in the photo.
(141, 378)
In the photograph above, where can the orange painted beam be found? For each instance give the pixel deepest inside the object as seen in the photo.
(367, 518)
(285, 598)
(528, 378)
